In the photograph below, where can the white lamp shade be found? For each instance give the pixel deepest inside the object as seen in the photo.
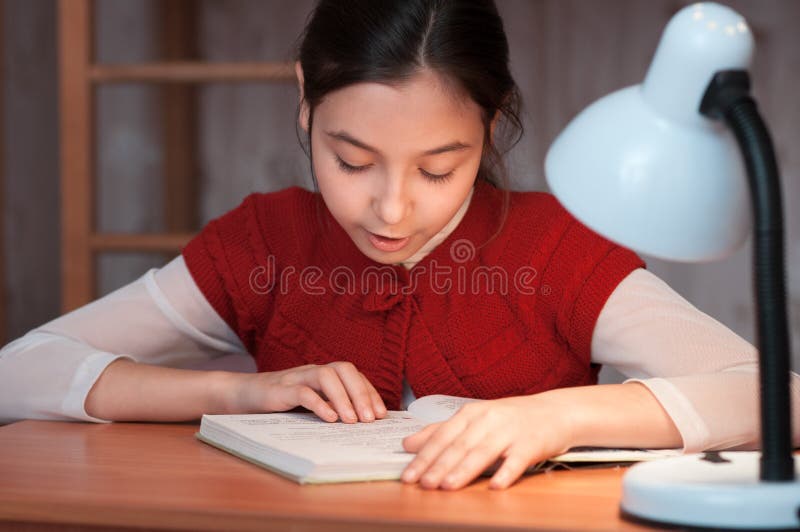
(644, 168)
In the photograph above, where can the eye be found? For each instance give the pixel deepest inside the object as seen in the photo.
(349, 168)
(438, 178)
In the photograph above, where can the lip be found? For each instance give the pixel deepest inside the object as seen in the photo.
(386, 244)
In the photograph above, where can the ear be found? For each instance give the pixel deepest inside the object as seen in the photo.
(304, 110)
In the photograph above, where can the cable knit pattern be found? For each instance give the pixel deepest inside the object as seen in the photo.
(486, 313)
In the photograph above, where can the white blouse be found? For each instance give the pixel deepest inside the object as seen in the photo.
(703, 375)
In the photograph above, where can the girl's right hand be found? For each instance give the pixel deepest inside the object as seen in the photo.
(333, 391)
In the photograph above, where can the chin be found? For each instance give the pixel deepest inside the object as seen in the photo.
(386, 258)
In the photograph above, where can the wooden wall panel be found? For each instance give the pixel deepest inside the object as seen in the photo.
(130, 138)
(31, 199)
(3, 320)
(77, 133)
(178, 28)
(247, 131)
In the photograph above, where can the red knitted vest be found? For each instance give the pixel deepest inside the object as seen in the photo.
(486, 314)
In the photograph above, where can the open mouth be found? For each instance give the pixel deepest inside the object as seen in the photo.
(383, 243)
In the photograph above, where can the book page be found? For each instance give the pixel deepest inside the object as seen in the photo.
(435, 408)
(604, 454)
(309, 437)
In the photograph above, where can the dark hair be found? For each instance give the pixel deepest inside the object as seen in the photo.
(388, 41)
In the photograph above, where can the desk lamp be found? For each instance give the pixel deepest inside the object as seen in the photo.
(664, 168)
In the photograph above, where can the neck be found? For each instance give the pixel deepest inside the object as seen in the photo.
(439, 237)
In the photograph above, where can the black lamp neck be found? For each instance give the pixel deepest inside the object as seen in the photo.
(728, 98)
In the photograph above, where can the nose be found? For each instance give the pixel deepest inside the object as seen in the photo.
(390, 202)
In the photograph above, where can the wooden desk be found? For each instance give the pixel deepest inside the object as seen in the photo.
(57, 475)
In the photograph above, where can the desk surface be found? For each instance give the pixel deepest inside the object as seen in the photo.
(159, 476)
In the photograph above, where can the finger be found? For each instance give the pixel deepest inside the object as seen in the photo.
(308, 398)
(473, 464)
(441, 438)
(472, 442)
(357, 388)
(513, 466)
(414, 442)
(327, 380)
(378, 406)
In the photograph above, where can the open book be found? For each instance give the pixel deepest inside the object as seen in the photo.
(306, 449)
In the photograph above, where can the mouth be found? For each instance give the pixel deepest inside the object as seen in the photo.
(387, 244)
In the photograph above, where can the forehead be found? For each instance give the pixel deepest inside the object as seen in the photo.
(414, 114)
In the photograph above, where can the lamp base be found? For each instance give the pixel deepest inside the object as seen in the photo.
(711, 490)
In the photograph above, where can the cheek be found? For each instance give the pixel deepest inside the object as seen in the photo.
(438, 208)
(328, 176)
(342, 193)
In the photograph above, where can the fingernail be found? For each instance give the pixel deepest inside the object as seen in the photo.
(498, 481)
(367, 415)
(351, 415)
(409, 475)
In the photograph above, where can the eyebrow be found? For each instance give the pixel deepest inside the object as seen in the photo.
(346, 137)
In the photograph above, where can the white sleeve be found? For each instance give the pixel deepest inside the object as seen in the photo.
(162, 319)
(702, 373)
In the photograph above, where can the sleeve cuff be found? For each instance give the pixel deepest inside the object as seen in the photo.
(83, 380)
(693, 430)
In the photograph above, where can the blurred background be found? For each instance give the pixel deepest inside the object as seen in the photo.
(107, 169)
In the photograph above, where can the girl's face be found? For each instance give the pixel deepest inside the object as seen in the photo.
(394, 163)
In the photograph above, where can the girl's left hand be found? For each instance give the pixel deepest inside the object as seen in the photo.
(519, 431)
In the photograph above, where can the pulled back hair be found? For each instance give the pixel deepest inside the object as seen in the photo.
(388, 41)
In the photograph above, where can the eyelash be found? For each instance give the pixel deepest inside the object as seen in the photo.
(350, 169)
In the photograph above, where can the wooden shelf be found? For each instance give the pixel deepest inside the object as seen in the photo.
(191, 72)
(138, 242)
(178, 73)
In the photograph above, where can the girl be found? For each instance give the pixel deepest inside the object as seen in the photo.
(412, 271)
